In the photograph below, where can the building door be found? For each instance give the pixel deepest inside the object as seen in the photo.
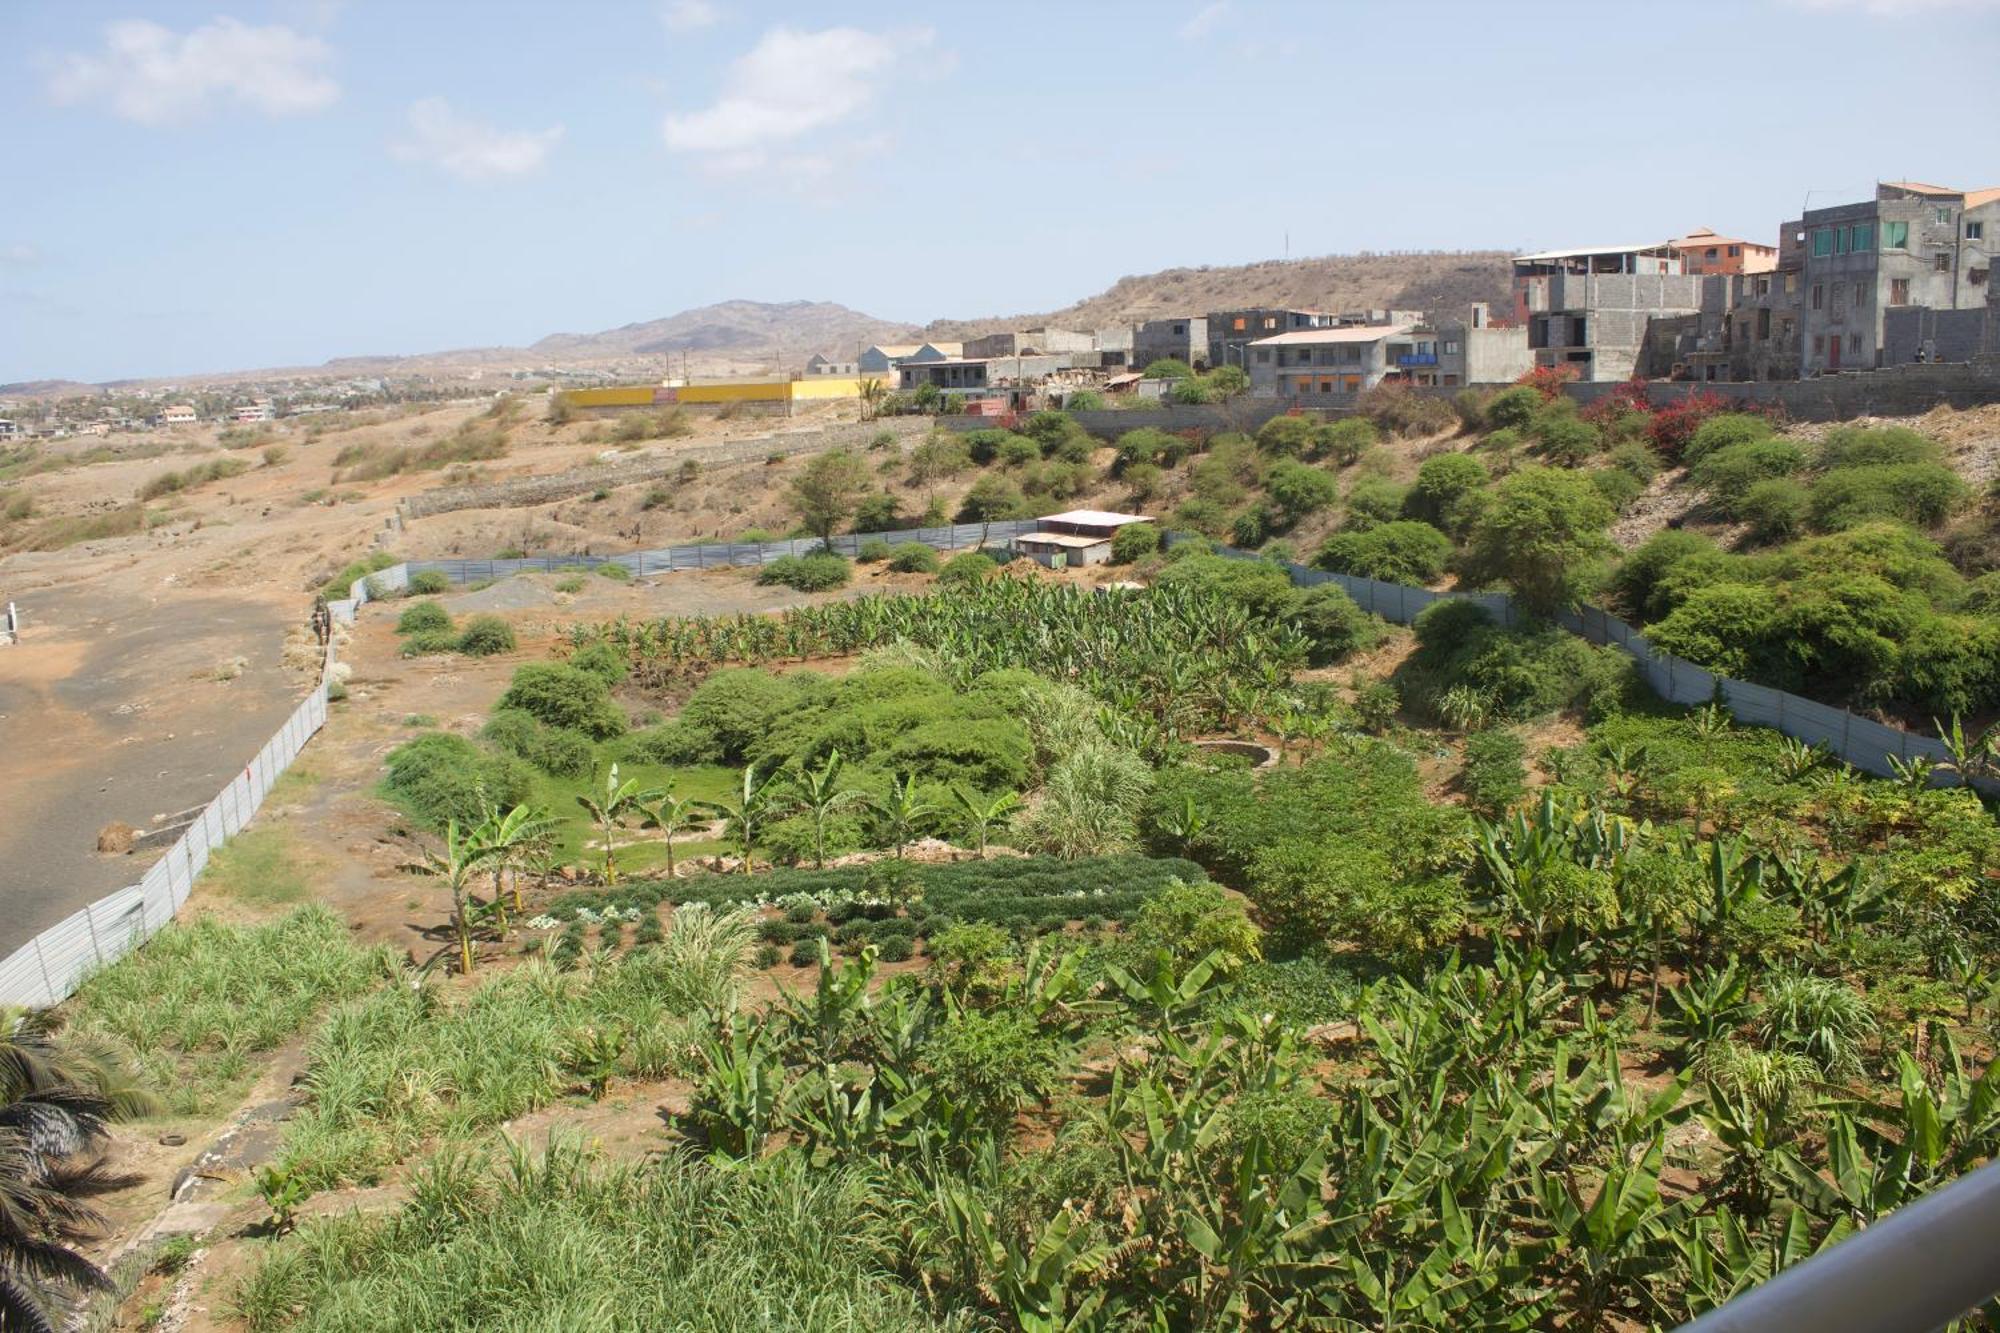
(1833, 352)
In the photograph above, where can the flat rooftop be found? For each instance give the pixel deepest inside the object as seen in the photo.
(1346, 333)
(1094, 518)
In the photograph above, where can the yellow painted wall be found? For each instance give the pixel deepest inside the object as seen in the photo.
(623, 395)
(826, 386)
(735, 391)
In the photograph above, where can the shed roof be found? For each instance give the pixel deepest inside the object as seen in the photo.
(1349, 333)
(1094, 518)
(1542, 256)
(1067, 539)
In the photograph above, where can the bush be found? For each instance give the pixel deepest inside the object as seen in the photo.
(1334, 624)
(1346, 440)
(1495, 773)
(873, 551)
(1639, 576)
(424, 618)
(971, 567)
(1618, 488)
(1189, 922)
(551, 749)
(1373, 500)
(914, 558)
(1017, 450)
(1543, 536)
(1925, 494)
(1512, 675)
(562, 695)
(992, 497)
(428, 643)
(1299, 489)
(1723, 431)
(1775, 509)
(427, 583)
(1443, 487)
(1287, 436)
(806, 573)
(675, 744)
(1400, 410)
(1151, 445)
(438, 777)
(1405, 551)
(1252, 528)
(1167, 368)
(1513, 408)
(1875, 446)
(1566, 438)
(1727, 472)
(1134, 541)
(1207, 517)
(486, 636)
(611, 569)
(880, 512)
(1674, 426)
(735, 708)
(1636, 460)
(602, 660)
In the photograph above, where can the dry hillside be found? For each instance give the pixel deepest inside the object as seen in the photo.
(1441, 282)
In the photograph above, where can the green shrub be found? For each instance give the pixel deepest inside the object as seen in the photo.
(1299, 489)
(880, 512)
(1567, 438)
(1723, 430)
(342, 584)
(1513, 408)
(438, 777)
(733, 709)
(970, 567)
(611, 569)
(1875, 446)
(1619, 488)
(1510, 675)
(1373, 500)
(424, 618)
(427, 583)
(602, 660)
(1252, 528)
(1726, 473)
(806, 573)
(1444, 490)
(1018, 450)
(429, 643)
(561, 695)
(1287, 436)
(486, 636)
(1134, 541)
(1775, 509)
(551, 749)
(1207, 517)
(914, 558)
(1495, 774)
(1346, 440)
(1925, 494)
(1636, 584)
(873, 551)
(1637, 459)
(1404, 551)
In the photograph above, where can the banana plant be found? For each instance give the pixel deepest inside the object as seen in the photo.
(607, 807)
(818, 793)
(738, 1101)
(982, 816)
(744, 815)
(672, 816)
(902, 815)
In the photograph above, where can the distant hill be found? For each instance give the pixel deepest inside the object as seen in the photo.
(786, 332)
(1442, 282)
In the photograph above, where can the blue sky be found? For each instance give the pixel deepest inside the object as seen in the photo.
(242, 183)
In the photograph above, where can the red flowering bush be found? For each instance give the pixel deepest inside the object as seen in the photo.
(1548, 381)
(1675, 424)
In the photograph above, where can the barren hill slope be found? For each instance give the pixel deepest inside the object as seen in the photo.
(745, 329)
(1442, 282)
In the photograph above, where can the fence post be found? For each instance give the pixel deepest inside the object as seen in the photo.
(90, 923)
(48, 985)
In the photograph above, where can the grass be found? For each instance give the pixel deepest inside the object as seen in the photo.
(259, 867)
(471, 442)
(407, 1064)
(341, 584)
(577, 839)
(187, 479)
(56, 534)
(200, 999)
(559, 1241)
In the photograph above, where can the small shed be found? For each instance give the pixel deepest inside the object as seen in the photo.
(1074, 537)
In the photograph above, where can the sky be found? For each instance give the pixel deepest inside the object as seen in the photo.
(234, 184)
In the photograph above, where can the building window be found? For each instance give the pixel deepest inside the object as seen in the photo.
(1899, 291)
(1944, 217)
(1819, 296)
(1236, 325)
(1735, 251)
(1791, 284)
(1451, 347)
(1941, 262)
(1263, 356)
(1709, 253)
(1860, 293)
(1840, 240)
(1975, 231)
(1819, 343)
(1895, 236)
(1853, 342)
(1270, 321)
(1180, 329)
(1861, 237)
(1822, 241)
(1977, 276)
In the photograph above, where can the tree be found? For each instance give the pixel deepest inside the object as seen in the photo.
(511, 839)
(817, 792)
(56, 1100)
(605, 811)
(742, 817)
(1228, 381)
(871, 391)
(827, 491)
(1543, 536)
(456, 864)
(940, 457)
(1167, 368)
(672, 816)
(902, 814)
(982, 816)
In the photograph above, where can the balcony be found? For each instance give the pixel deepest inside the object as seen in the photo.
(1417, 359)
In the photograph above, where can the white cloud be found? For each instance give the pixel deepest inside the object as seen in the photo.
(1205, 21)
(20, 254)
(441, 137)
(155, 76)
(688, 15)
(787, 86)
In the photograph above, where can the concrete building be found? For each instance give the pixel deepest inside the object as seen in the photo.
(179, 414)
(1475, 350)
(1230, 332)
(1027, 342)
(1704, 252)
(1763, 328)
(8, 430)
(882, 358)
(821, 364)
(1182, 338)
(1323, 362)
(1076, 537)
(250, 413)
(1590, 308)
(1911, 245)
(968, 372)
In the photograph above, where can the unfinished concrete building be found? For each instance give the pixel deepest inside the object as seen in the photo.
(1474, 350)
(1590, 308)
(1182, 338)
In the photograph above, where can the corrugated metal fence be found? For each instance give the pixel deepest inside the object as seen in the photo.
(49, 968)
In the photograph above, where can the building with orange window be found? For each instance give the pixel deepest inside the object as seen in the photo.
(1703, 252)
(1327, 363)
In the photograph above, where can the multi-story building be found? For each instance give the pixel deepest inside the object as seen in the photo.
(1324, 362)
(261, 410)
(1590, 309)
(1028, 342)
(1912, 245)
(1704, 252)
(1231, 332)
(1182, 338)
(179, 414)
(885, 357)
(1475, 350)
